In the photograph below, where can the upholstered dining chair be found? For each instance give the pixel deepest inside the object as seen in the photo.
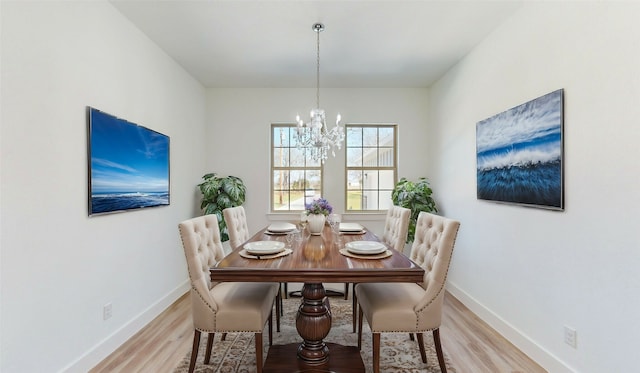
(409, 307)
(238, 231)
(226, 306)
(237, 227)
(396, 229)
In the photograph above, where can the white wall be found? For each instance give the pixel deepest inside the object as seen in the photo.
(531, 271)
(239, 138)
(59, 267)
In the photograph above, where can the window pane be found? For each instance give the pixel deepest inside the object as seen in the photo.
(354, 136)
(313, 180)
(385, 136)
(354, 180)
(385, 199)
(297, 180)
(280, 136)
(370, 200)
(354, 157)
(297, 200)
(280, 180)
(281, 199)
(354, 200)
(370, 157)
(280, 157)
(370, 136)
(297, 157)
(386, 179)
(370, 180)
(385, 157)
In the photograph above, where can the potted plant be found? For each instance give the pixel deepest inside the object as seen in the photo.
(415, 196)
(219, 193)
(317, 211)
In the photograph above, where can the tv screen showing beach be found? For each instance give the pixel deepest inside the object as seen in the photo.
(128, 165)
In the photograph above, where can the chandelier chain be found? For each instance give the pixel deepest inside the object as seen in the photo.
(318, 68)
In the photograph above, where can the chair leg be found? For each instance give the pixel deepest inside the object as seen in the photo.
(411, 337)
(376, 352)
(286, 290)
(346, 290)
(360, 316)
(207, 355)
(436, 342)
(423, 353)
(354, 305)
(280, 292)
(258, 338)
(194, 350)
(271, 328)
(278, 309)
(224, 337)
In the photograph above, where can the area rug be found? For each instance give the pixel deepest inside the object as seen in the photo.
(398, 354)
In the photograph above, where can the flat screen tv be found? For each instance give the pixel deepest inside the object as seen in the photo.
(128, 165)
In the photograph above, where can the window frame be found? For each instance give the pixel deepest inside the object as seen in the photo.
(362, 168)
(305, 168)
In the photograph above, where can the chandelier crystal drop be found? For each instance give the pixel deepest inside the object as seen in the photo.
(314, 136)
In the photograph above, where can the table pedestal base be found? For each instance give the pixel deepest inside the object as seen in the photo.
(342, 359)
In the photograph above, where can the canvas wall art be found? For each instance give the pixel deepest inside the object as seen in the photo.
(520, 154)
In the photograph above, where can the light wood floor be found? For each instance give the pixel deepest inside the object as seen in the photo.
(471, 344)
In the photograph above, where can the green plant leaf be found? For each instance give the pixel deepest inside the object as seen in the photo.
(415, 196)
(219, 193)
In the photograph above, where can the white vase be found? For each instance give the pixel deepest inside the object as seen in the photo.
(316, 224)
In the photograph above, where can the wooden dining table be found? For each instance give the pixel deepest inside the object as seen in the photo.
(315, 260)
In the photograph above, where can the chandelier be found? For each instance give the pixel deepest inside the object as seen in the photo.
(314, 137)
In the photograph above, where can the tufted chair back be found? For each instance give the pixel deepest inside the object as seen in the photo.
(396, 227)
(236, 226)
(203, 250)
(432, 250)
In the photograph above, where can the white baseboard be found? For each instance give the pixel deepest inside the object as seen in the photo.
(105, 347)
(536, 352)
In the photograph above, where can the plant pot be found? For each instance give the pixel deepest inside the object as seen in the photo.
(316, 223)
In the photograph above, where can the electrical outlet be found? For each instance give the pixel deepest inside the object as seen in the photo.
(570, 337)
(107, 311)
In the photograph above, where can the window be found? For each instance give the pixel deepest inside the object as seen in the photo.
(371, 166)
(295, 180)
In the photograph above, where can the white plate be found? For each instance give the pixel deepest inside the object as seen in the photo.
(365, 247)
(264, 247)
(353, 232)
(351, 227)
(281, 227)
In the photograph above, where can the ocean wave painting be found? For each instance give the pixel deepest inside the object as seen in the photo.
(128, 165)
(519, 154)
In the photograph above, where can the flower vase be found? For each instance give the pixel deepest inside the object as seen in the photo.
(316, 224)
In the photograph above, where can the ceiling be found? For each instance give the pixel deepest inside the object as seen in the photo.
(366, 44)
